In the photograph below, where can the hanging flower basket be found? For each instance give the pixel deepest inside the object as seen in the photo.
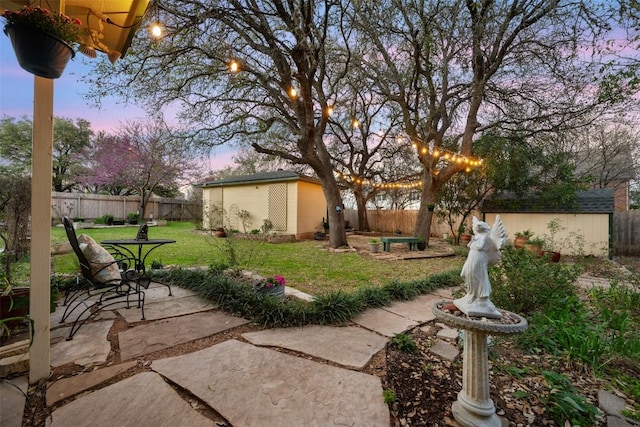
(38, 52)
(41, 39)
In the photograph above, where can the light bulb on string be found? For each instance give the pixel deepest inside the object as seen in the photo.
(156, 30)
(234, 66)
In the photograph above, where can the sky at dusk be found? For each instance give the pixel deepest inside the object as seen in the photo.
(16, 98)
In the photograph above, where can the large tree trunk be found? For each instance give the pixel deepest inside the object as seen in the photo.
(430, 187)
(363, 218)
(335, 208)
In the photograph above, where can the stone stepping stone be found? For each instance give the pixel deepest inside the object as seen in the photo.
(142, 400)
(357, 345)
(418, 309)
(12, 401)
(150, 337)
(444, 350)
(169, 307)
(447, 333)
(158, 291)
(66, 387)
(384, 322)
(89, 345)
(101, 315)
(252, 386)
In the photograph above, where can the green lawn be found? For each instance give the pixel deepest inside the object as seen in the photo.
(307, 265)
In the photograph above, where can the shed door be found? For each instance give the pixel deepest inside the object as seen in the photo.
(278, 206)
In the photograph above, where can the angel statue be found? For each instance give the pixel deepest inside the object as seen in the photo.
(484, 250)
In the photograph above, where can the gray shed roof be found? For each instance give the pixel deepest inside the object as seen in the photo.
(591, 201)
(262, 177)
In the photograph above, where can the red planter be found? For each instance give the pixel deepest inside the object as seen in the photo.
(37, 52)
(555, 256)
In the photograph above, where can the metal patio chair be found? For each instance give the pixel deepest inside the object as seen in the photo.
(93, 293)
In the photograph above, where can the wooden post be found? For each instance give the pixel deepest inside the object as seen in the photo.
(41, 181)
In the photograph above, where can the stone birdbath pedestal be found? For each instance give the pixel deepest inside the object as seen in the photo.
(478, 317)
(474, 407)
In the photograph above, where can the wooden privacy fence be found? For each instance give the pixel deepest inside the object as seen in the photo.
(626, 233)
(389, 221)
(92, 206)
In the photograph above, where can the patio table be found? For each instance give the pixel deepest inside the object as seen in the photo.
(144, 248)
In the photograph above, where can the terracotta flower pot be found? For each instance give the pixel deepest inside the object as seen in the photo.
(38, 52)
(519, 241)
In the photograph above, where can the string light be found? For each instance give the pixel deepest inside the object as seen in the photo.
(383, 185)
(156, 30)
(417, 144)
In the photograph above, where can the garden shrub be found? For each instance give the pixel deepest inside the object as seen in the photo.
(374, 297)
(595, 335)
(336, 307)
(401, 290)
(404, 342)
(563, 403)
(524, 282)
(104, 219)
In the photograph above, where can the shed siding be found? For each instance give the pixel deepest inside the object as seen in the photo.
(294, 206)
(593, 228)
(312, 207)
(212, 202)
(253, 198)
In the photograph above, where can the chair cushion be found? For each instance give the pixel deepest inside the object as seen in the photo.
(98, 258)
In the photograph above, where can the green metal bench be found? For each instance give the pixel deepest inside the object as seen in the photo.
(411, 241)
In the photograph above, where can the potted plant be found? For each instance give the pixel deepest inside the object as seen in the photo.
(464, 236)
(133, 218)
(42, 40)
(521, 238)
(14, 307)
(325, 225)
(534, 244)
(552, 243)
(272, 286)
(374, 245)
(422, 245)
